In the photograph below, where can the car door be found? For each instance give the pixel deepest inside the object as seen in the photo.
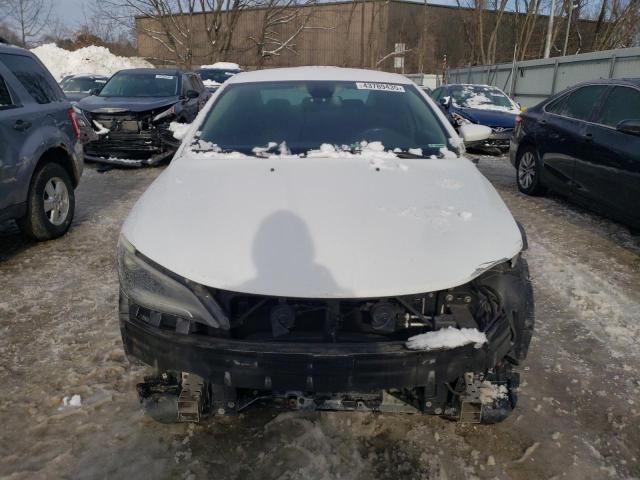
(561, 135)
(609, 171)
(190, 105)
(37, 106)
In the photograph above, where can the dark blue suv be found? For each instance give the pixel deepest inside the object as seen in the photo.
(40, 154)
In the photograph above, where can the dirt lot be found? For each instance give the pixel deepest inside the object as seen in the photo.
(578, 416)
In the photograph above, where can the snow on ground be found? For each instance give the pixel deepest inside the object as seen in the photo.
(447, 338)
(97, 60)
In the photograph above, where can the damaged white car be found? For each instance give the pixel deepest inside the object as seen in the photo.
(319, 241)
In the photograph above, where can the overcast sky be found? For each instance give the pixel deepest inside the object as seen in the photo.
(70, 11)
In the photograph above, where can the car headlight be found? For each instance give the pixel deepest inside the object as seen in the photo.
(150, 288)
(169, 112)
(460, 120)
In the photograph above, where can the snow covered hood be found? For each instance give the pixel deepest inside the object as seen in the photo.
(323, 227)
(129, 104)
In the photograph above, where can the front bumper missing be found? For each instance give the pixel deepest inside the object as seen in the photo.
(315, 370)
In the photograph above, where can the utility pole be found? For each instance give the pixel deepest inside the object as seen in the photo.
(547, 47)
(566, 37)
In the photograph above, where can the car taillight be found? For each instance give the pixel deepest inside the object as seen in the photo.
(518, 119)
(74, 122)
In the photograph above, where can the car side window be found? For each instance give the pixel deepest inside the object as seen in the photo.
(5, 96)
(436, 94)
(580, 103)
(37, 81)
(623, 103)
(197, 84)
(187, 84)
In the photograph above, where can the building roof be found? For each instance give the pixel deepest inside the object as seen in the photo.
(319, 73)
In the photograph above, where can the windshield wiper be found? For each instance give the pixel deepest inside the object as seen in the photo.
(410, 155)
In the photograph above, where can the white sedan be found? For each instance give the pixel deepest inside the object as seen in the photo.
(319, 239)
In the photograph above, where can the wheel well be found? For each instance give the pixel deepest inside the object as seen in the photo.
(524, 144)
(60, 156)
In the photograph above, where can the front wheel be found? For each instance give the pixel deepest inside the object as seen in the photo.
(50, 204)
(528, 172)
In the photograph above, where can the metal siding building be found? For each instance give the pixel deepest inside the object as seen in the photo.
(339, 35)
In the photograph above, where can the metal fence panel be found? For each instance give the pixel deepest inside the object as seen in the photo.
(535, 80)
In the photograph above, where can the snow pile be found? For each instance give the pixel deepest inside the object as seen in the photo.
(73, 401)
(97, 60)
(179, 129)
(447, 338)
(222, 66)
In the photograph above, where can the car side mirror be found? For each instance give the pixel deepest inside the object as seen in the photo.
(445, 102)
(632, 127)
(191, 94)
(471, 132)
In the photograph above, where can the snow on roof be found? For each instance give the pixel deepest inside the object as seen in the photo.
(222, 66)
(319, 73)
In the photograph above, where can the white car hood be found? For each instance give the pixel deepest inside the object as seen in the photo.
(323, 227)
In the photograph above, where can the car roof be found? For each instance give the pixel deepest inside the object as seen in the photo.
(318, 73)
(86, 75)
(159, 71)
(609, 81)
(9, 48)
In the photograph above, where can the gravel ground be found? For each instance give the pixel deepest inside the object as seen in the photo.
(578, 415)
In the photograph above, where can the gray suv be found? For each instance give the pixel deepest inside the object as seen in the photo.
(40, 154)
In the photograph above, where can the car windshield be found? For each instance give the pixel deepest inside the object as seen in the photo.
(141, 85)
(481, 97)
(216, 75)
(82, 84)
(307, 114)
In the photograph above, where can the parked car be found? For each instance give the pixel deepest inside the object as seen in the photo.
(482, 105)
(584, 143)
(40, 155)
(341, 238)
(215, 75)
(132, 113)
(76, 87)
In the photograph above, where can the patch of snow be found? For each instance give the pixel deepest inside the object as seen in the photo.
(259, 150)
(446, 153)
(210, 83)
(490, 392)
(179, 129)
(73, 401)
(447, 338)
(102, 130)
(221, 66)
(96, 60)
(415, 151)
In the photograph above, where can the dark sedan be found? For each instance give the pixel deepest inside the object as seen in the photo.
(131, 115)
(483, 105)
(76, 87)
(584, 143)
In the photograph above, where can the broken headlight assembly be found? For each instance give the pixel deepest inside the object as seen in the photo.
(165, 114)
(147, 286)
(460, 120)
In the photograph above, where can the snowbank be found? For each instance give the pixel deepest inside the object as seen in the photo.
(447, 338)
(98, 60)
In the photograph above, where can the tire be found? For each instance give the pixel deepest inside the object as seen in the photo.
(528, 172)
(50, 204)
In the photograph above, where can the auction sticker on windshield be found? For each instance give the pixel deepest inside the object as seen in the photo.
(165, 77)
(387, 87)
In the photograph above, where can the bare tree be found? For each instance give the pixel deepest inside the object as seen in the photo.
(282, 22)
(617, 25)
(28, 17)
(482, 27)
(173, 25)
